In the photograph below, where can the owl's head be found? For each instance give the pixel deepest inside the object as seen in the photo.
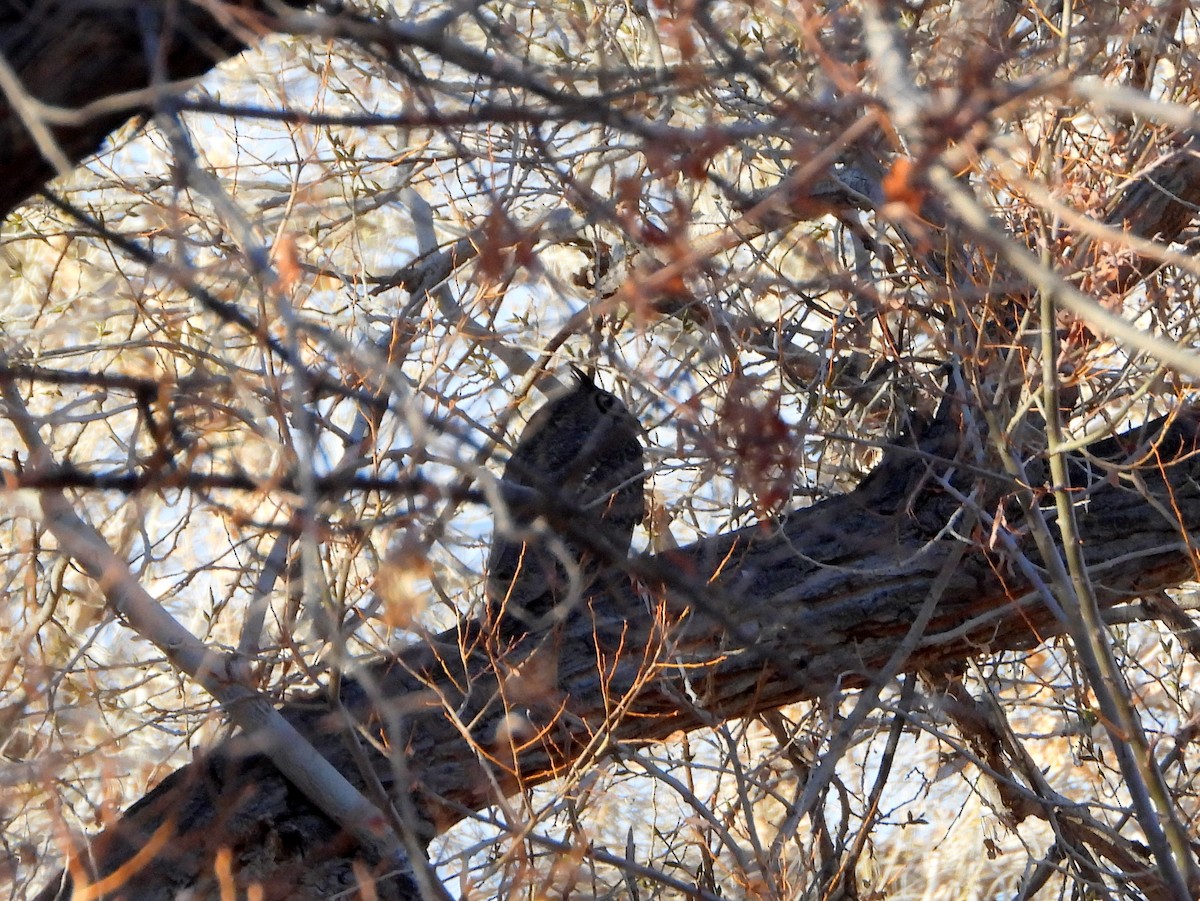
(586, 389)
(605, 404)
(586, 419)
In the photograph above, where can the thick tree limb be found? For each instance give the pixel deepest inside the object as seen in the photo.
(71, 71)
(820, 604)
(733, 626)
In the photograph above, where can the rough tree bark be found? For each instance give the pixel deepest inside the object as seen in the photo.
(759, 618)
(78, 69)
(815, 606)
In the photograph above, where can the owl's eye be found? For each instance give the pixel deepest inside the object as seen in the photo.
(605, 401)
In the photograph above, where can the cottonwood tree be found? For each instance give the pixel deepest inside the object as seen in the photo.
(902, 296)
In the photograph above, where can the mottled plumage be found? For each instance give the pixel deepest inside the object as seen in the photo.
(581, 455)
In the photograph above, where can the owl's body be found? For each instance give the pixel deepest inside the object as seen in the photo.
(581, 456)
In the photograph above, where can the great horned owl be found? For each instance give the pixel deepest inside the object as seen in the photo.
(582, 460)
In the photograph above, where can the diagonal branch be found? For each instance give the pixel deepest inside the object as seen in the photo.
(226, 677)
(828, 598)
(75, 71)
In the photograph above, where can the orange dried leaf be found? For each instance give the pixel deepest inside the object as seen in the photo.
(900, 185)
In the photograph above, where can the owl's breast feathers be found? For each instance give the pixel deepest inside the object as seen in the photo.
(582, 453)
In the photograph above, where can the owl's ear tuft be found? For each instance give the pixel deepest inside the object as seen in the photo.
(583, 379)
